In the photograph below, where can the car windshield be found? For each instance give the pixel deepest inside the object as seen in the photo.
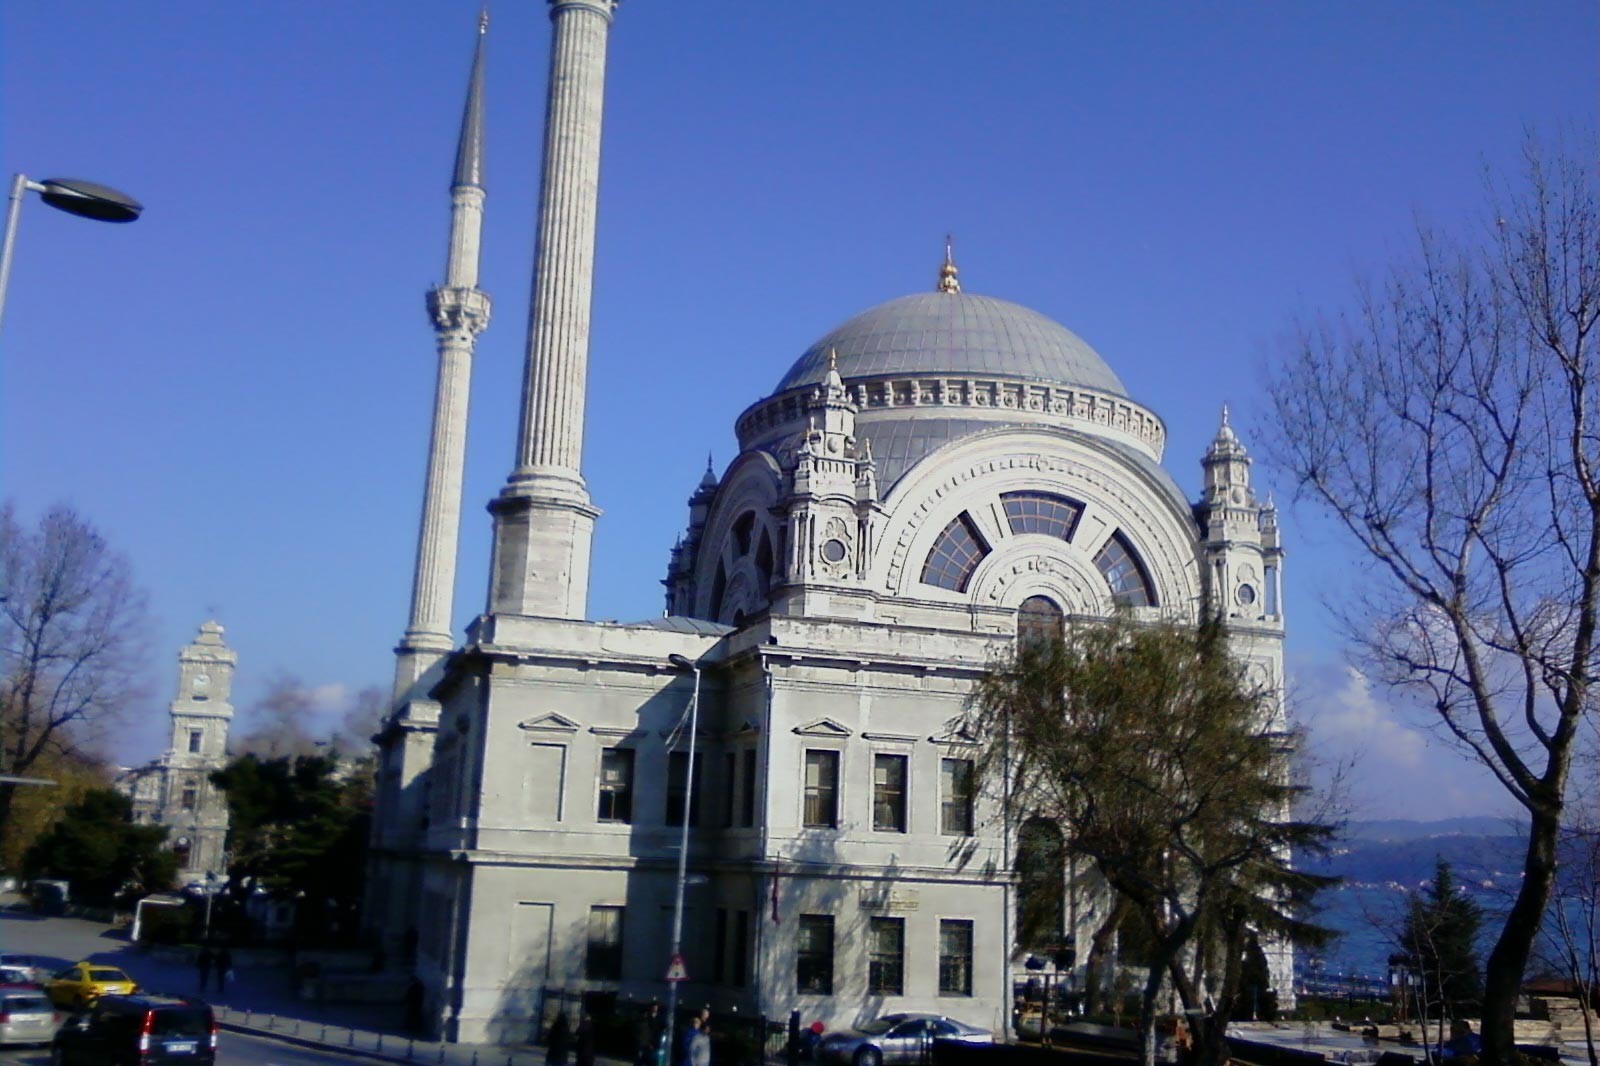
(107, 975)
(879, 1026)
(182, 1022)
(24, 1004)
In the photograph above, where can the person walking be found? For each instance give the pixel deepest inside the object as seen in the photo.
(647, 1036)
(203, 963)
(224, 969)
(700, 1045)
(560, 1037)
(585, 1041)
(684, 1051)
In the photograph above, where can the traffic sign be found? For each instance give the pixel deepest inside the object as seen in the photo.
(676, 971)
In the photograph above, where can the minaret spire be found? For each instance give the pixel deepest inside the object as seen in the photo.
(459, 311)
(544, 520)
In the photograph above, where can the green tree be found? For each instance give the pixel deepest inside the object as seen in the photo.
(98, 849)
(1449, 423)
(1166, 771)
(298, 828)
(1439, 940)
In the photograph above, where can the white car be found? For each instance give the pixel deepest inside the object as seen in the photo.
(28, 969)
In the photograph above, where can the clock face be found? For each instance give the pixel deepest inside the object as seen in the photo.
(202, 680)
(1246, 595)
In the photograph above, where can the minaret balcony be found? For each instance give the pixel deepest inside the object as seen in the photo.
(458, 309)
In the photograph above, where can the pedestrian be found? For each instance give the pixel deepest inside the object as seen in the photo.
(683, 1052)
(647, 1036)
(560, 1036)
(224, 969)
(700, 1046)
(585, 1040)
(416, 995)
(203, 963)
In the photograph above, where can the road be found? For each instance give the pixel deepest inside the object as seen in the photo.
(233, 1049)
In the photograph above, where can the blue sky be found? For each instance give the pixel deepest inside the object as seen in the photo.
(237, 387)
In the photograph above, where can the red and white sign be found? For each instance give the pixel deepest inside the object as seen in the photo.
(676, 971)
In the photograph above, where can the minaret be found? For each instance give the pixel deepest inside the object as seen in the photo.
(460, 311)
(543, 518)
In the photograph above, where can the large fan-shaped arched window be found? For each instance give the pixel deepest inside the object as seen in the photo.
(1125, 573)
(956, 554)
(1041, 512)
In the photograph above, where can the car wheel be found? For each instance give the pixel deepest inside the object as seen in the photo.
(869, 1056)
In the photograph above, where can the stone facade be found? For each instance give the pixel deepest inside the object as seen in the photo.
(937, 472)
(175, 790)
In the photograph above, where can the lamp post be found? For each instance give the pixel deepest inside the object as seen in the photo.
(85, 199)
(682, 663)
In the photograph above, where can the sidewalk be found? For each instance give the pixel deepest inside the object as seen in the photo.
(259, 1001)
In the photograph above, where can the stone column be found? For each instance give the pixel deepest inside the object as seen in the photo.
(544, 520)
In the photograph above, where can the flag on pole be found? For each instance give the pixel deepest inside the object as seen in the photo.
(775, 919)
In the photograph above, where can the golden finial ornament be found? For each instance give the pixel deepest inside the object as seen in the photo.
(483, 20)
(948, 280)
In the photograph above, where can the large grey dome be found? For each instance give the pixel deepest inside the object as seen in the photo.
(957, 334)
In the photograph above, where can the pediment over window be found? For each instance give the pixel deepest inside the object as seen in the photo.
(746, 728)
(958, 738)
(823, 727)
(549, 723)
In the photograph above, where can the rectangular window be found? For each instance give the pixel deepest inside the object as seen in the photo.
(955, 957)
(730, 786)
(542, 782)
(747, 812)
(822, 790)
(195, 736)
(814, 969)
(889, 793)
(719, 948)
(678, 787)
(616, 785)
(603, 961)
(190, 796)
(955, 796)
(741, 948)
(886, 963)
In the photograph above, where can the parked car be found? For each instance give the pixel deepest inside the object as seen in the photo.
(138, 1030)
(31, 967)
(896, 1039)
(79, 985)
(26, 1016)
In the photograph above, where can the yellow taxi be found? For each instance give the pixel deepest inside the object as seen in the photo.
(80, 984)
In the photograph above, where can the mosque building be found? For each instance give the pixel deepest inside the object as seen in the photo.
(938, 473)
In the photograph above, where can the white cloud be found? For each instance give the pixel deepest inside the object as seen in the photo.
(1350, 717)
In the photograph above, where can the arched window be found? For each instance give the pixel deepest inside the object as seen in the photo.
(719, 589)
(764, 561)
(1041, 885)
(1130, 584)
(741, 534)
(1040, 512)
(1039, 620)
(956, 554)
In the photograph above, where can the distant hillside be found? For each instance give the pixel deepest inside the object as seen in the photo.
(1486, 852)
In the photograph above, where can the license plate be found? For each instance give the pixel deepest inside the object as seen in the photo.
(181, 1047)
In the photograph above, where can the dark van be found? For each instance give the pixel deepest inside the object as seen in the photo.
(138, 1030)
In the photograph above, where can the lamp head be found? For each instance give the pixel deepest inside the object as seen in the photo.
(680, 662)
(90, 200)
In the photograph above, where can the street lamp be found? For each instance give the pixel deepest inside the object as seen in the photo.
(682, 663)
(72, 195)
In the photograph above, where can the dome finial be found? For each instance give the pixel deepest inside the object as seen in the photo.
(948, 281)
(483, 19)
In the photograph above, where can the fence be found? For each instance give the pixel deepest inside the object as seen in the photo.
(736, 1039)
(388, 1045)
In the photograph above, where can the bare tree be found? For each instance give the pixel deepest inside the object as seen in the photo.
(281, 721)
(1449, 424)
(72, 628)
